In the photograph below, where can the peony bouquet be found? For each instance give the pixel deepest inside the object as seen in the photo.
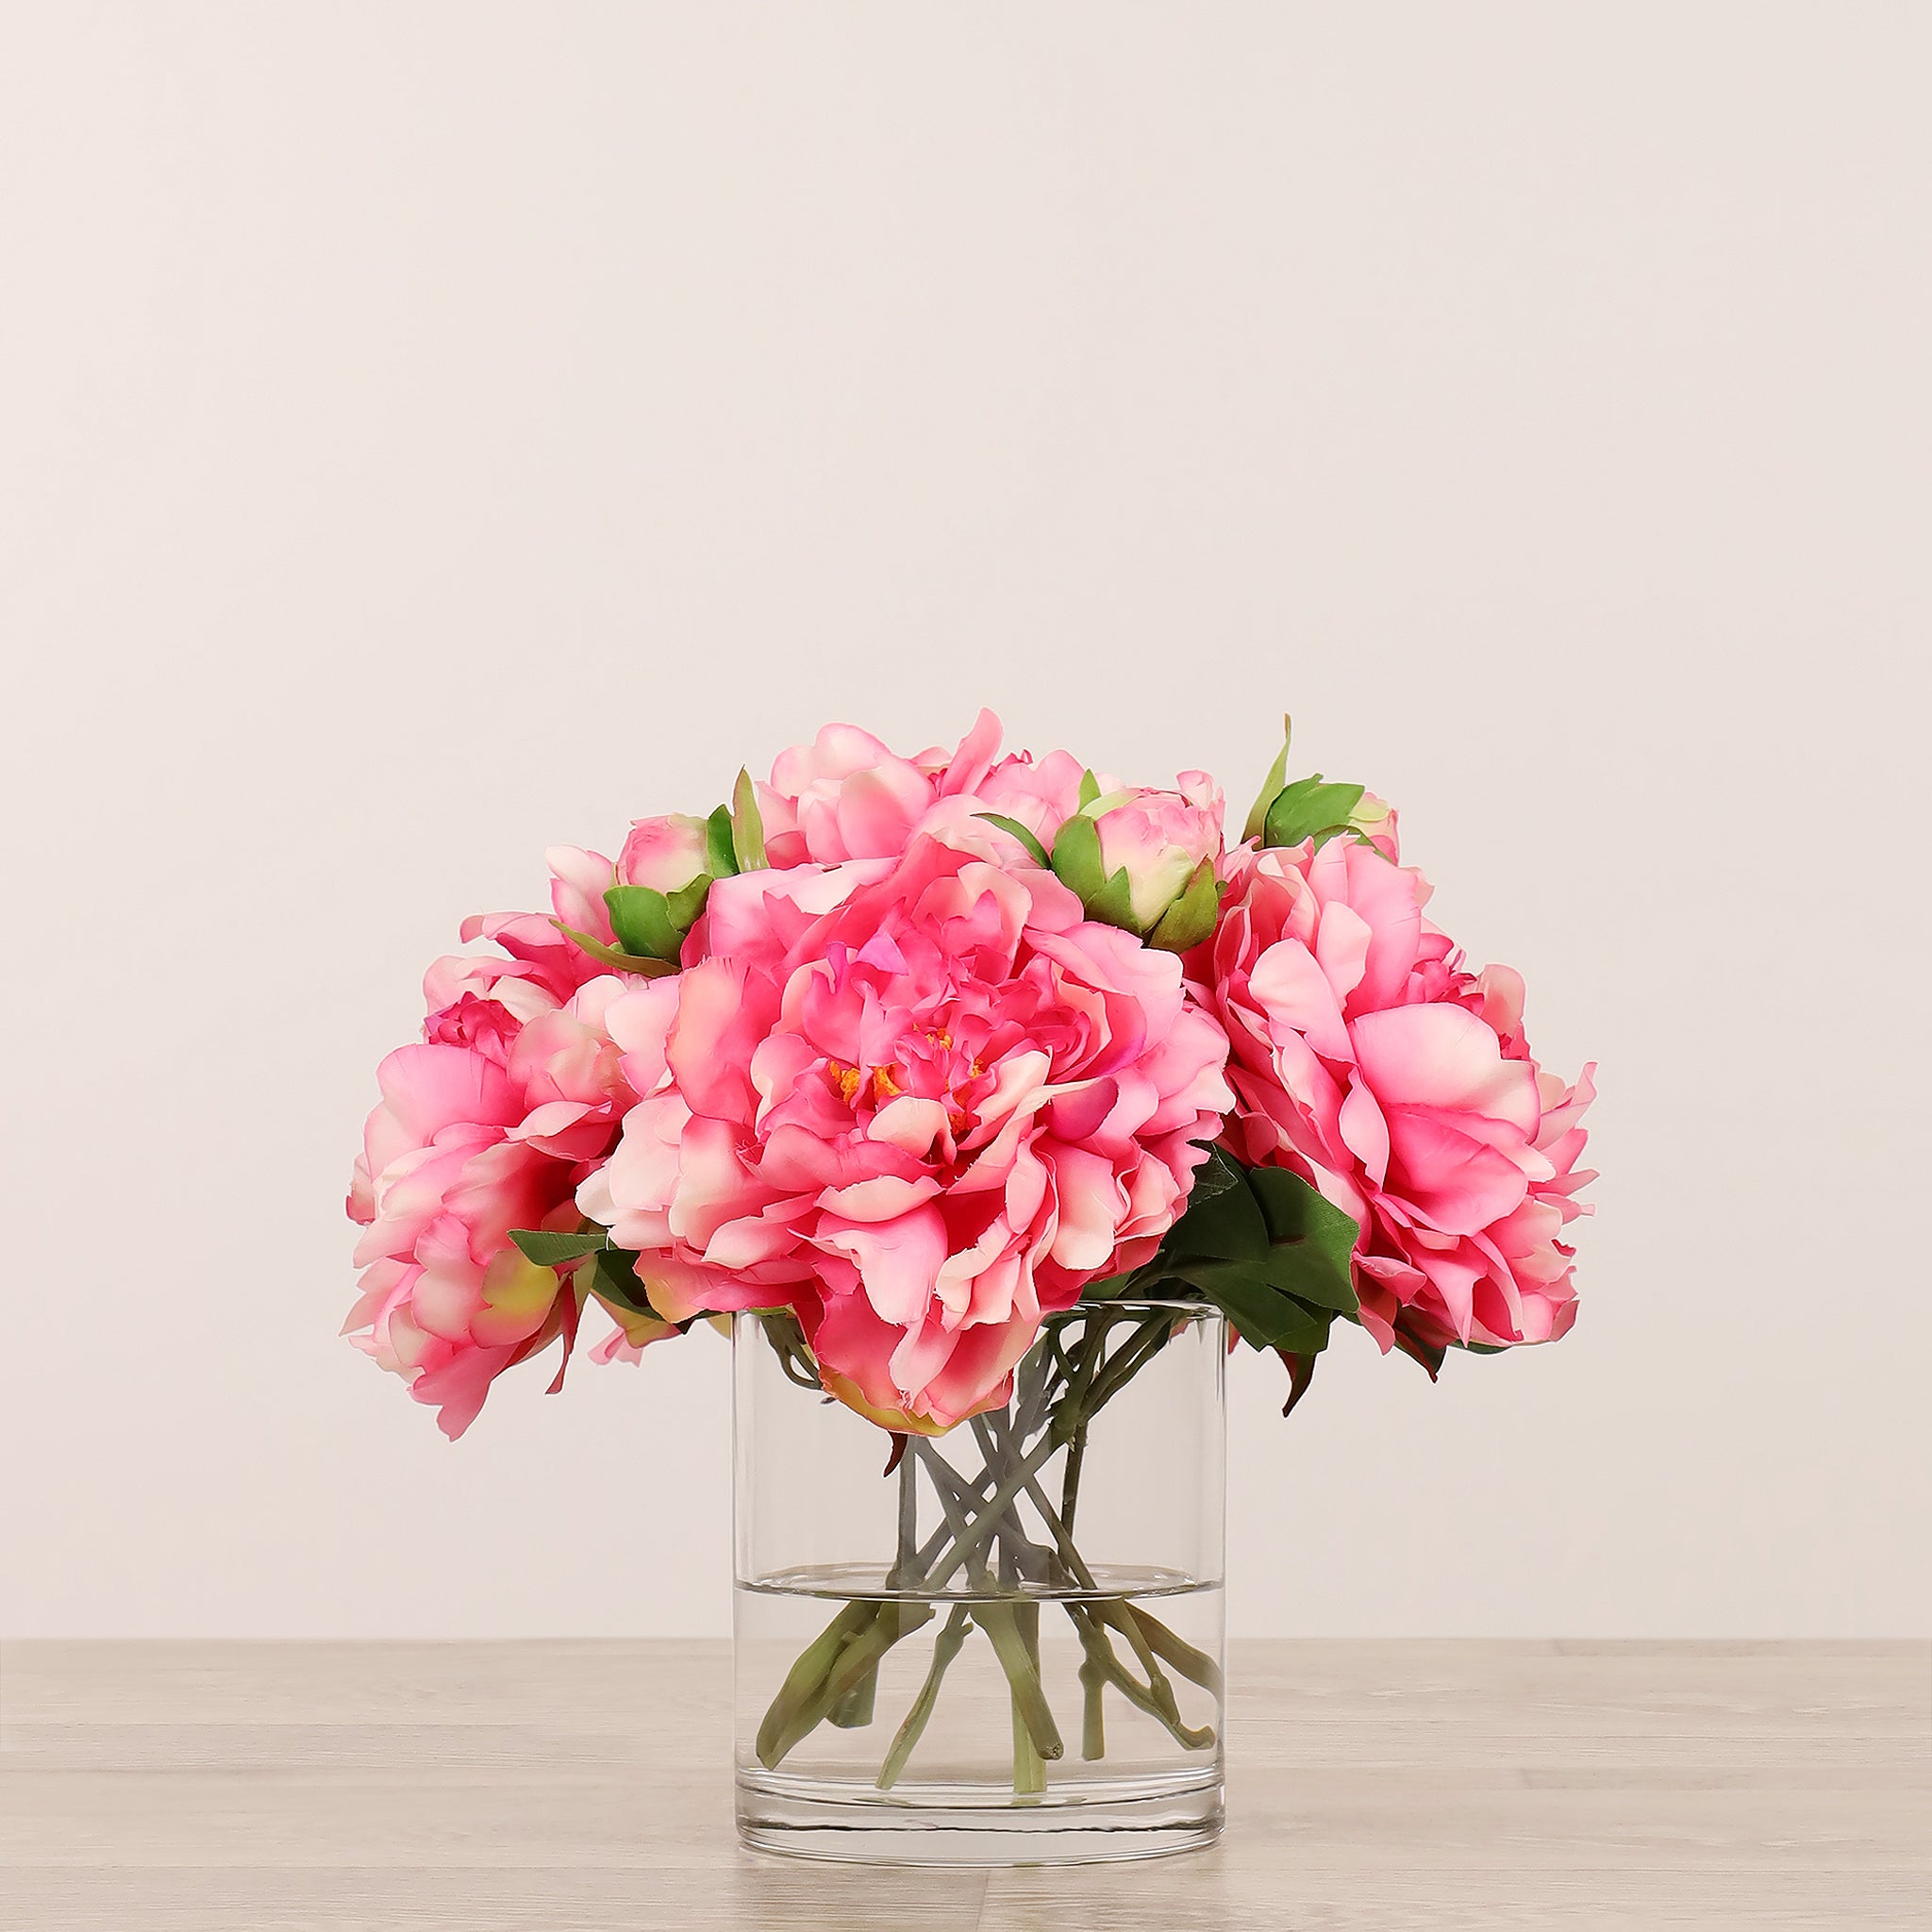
(917, 1057)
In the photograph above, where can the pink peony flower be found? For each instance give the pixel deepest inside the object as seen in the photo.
(843, 797)
(544, 967)
(1368, 1060)
(846, 795)
(490, 1124)
(919, 1099)
(1041, 793)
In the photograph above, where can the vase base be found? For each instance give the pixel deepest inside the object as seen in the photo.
(799, 1819)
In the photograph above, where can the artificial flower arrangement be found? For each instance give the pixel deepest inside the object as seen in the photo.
(922, 1057)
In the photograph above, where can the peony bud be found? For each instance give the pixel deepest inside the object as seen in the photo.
(1288, 814)
(665, 853)
(1145, 861)
(1161, 839)
(663, 879)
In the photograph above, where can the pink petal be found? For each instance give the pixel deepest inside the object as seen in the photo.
(1294, 991)
(1341, 949)
(910, 1123)
(885, 1197)
(1363, 1130)
(1440, 1056)
(898, 1260)
(1454, 1181)
(713, 1186)
(1091, 1207)
(431, 1087)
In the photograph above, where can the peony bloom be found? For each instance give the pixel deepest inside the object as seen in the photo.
(846, 796)
(489, 1125)
(1368, 1060)
(919, 1099)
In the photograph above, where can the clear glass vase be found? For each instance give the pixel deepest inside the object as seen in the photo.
(1001, 1645)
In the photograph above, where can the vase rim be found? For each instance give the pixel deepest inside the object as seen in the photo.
(1178, 1303)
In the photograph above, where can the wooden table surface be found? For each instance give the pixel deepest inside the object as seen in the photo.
(202, 1786)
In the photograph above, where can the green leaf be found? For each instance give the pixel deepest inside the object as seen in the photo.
(747, 826)
(1295, 1268)
(1076, 859)
(609, 955)
(1224, 1225)
(1191, 917)
(1300, 1371)
(721, 856)
(1429, 1354)
(1307, 806)
(1311, 1241)
(1089, 790)
(1220, 1172)
(642, 919)
(1114, 903)
(1271, 786)
(616, 1280)
(1263, 1317)
(1304, 1330)
(547, 1249)
(685, 903)
(1014, 829)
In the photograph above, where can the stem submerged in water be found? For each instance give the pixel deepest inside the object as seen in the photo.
(945, 1647)
(1057, 1393)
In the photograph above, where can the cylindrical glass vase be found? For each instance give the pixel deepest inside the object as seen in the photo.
(999, 1645)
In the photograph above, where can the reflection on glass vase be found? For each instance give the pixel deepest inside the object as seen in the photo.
(1005, 1647)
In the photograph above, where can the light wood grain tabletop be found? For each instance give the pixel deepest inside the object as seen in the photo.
(575, 1786)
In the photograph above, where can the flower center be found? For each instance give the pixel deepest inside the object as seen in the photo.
(926, 1066)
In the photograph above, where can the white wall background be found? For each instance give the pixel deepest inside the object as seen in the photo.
(431, 431)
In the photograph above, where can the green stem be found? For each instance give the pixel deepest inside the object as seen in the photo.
(1194, 1665)
(1093, 1707)
(887, 1623)
(1101, 1656)
(1020, 1556)
(966, 1547)
(1148, 1635)
(1086, 1359)
(945, 1648)
(854, 1711)
(968, 1537)
(1029, 1767)
(1126, 1362)
(806, 1677)
(788, 1345)
(1070, 1481)
(836, 1676)
(1001, 1626)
